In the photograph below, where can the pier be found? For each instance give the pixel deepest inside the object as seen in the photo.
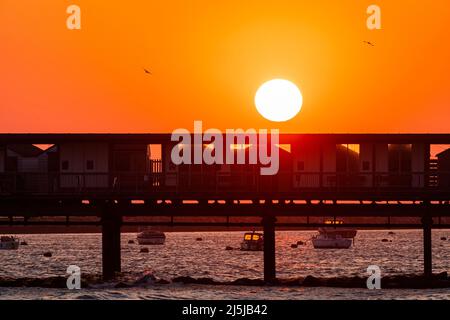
(113, 180)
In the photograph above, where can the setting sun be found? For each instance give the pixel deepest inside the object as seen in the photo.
(278, 100)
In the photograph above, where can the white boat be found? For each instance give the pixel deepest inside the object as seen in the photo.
(253, 241)
(325, 241)
(9, 243)
(150, 237)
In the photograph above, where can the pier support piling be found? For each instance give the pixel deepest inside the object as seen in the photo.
(269, 249)
(111, 255)
(427, 222)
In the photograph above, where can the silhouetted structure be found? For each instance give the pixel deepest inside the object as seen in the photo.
(113, 176)
(443, 169)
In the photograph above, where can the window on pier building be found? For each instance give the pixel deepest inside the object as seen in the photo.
(347, 158)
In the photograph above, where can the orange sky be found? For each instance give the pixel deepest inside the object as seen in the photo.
(209, 57)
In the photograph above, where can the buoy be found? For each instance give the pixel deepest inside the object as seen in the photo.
(300, 243)
(294, 246)
(390, 232)
(47, 254)
(144, 250)
(130, 241)
(443, 238)
(228, 248)
(198, 239)
(384, 240)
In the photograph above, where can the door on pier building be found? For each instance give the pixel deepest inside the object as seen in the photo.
(53, 170)
(130, 165)
(8, 171)
(3, 180)
(193, 177)
(14, 182)
(242, 173)
(348, 165)
(443, 169)
(400, 160)
(2, 158)
(306, 165)
(283, 179)
(201, 177)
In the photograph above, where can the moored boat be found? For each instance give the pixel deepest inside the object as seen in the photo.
(9, 243)
(333, 230)
(323, 241)
(151, 237)
(253, 241)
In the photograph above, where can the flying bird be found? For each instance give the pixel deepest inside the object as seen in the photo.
(369, 43)
(147, 71)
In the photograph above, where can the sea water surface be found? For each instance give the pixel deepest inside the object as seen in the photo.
(183, 255)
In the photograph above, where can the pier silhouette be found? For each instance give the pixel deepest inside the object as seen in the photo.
(113, 177)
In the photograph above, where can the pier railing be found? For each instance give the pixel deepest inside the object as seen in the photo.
(216, 182)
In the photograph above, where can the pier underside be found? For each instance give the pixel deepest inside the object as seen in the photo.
(268, 215)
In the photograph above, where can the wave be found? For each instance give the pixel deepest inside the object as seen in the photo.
(127, 280)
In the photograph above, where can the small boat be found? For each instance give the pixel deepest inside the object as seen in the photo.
(9, 243)
(253, 241)
(325, 241)
(332, 230)
(150, 237)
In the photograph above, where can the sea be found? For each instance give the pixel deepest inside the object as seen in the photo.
(184, 254)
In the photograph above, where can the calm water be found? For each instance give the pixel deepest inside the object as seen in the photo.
(182, 255)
